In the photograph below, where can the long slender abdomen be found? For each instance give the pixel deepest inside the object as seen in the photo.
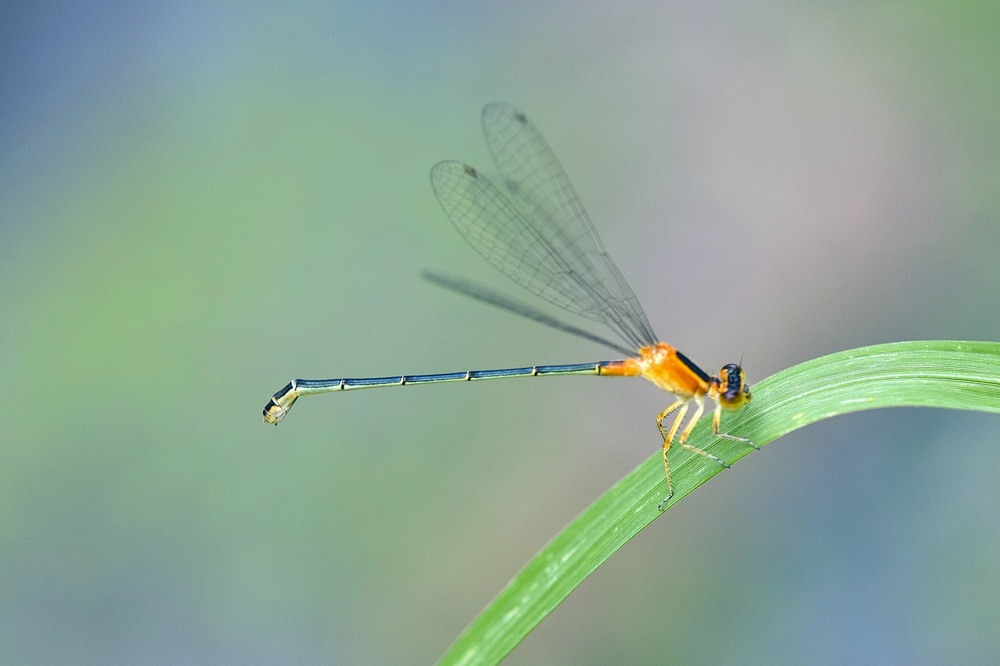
(281, 402)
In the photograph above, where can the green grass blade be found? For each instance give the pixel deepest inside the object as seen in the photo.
(956, 375)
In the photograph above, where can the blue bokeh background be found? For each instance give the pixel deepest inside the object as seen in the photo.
(200, 201)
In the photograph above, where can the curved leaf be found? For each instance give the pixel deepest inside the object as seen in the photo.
(956, 375)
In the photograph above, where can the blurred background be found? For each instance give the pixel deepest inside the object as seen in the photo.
(200, 202)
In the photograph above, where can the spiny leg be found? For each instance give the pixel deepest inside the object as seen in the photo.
(690, 426)
(668, 438)
(716, 418)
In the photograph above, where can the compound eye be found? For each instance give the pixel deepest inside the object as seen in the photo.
(734, 377)
(735, 392)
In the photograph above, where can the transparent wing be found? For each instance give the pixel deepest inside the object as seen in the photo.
(537, 182)
(504, 302)
(536, 231)
(496, 228)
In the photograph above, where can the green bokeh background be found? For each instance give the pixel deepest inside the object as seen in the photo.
(199, 202)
